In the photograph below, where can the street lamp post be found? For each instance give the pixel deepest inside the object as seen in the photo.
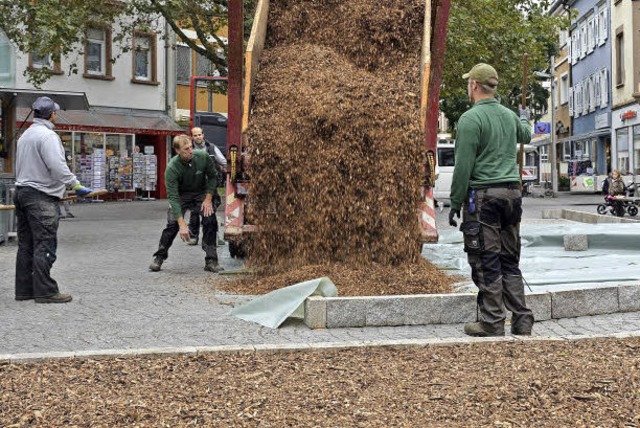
(552, 151)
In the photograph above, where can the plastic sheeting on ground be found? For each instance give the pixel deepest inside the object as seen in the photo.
(272, 309)
(613, 255)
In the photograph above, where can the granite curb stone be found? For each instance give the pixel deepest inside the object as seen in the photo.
(576, 303)
(372, 311)
(289, 347)
(629, 298)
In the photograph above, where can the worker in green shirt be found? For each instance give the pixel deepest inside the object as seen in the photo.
(486, 185)
(190, 179)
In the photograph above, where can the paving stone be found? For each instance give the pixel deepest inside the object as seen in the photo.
(120, 308)
(577, 303)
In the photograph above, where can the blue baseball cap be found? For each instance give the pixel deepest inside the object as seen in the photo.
(45, 106)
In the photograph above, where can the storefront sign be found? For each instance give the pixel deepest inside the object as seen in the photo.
(542, 128)
(629, 114)
(602, 120)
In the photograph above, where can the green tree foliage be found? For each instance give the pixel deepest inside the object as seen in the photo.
(59, 27)
(498, 32)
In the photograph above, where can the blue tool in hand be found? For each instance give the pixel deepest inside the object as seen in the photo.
(81, 190)
(472, 201)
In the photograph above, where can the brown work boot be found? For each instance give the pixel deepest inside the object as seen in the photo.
(479, 329)
(56, 298)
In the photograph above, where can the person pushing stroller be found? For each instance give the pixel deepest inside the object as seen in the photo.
(612, 188)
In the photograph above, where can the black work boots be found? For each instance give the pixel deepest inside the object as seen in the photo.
(156, 264)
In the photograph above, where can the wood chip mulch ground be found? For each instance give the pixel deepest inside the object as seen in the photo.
(591, 383)
(350, 279)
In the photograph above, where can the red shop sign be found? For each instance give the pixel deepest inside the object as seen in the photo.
(631, 114)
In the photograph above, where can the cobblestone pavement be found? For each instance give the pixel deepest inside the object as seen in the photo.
(118, 303)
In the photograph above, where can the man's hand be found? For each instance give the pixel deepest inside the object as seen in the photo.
(81, 190)
(454, 213)
(524, 113)
(184, 230)
(207, 205)
(207, 208)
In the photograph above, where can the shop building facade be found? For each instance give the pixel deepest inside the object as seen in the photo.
(588, 149)
(625, 124)
(123, 142)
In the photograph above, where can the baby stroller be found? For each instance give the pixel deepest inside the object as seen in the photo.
(619, 204)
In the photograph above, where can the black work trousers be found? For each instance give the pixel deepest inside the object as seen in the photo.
(193, 203)
(492, 242)
(37, 216)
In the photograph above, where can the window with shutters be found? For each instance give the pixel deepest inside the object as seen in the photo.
(571, 102)
(604, 88)
(585, 96)
(564, 88)
(575, 53)
(597, 89)
(603, 25)
(584, 43)
(563, 37)
(592, 93)
(577, 93)
(590, 39)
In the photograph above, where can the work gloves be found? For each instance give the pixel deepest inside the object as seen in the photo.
(524, 113)
(81, 190)
(452, 214)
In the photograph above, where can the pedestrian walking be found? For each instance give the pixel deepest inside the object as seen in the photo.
(42, 175)
(190, 179)
(486, 184)
(200, 143)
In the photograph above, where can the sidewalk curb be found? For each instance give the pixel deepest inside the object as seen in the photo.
(289, 347)
(378, 311)
(584, 217)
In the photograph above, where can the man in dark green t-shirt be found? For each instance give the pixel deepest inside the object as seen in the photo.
(486, 184)
(190, 179)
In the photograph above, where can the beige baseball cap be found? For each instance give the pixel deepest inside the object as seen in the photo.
(483, 73)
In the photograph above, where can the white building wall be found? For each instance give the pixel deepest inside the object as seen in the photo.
(119, 92)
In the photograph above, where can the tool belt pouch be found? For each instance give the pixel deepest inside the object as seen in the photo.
(472, 232)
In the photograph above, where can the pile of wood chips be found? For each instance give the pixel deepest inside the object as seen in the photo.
(371, 279)
(337, 153)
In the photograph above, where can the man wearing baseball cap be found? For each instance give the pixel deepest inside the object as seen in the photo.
(42, 176)
(486, 185)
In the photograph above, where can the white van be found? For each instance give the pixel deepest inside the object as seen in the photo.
(444, 170)
(446, 161)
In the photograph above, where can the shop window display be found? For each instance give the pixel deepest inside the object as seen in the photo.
(118, 150)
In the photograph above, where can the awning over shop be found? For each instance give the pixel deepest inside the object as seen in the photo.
(127, 121)
(542, 140)
(586, 136)
(24, 98)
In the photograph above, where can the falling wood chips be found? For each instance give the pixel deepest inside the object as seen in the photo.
(337, 153)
